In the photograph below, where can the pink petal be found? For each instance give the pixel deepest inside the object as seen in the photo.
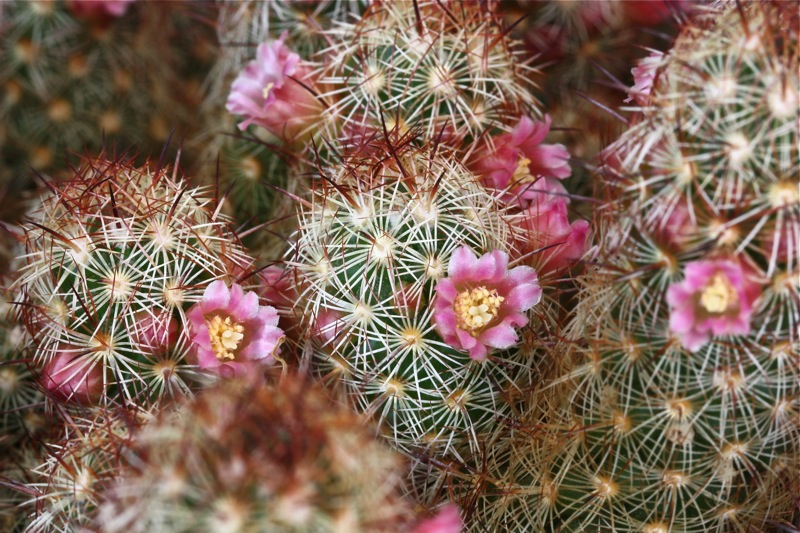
(466, 340)
(501, 336)
(446, 291)
(523, 297)
(216, 296)
(245, 308)
(478, 352)
(462, 265)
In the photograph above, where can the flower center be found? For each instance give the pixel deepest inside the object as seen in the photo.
(476, 308)
(522, 173)
(718, 296)
(267, 89)
(225, 337)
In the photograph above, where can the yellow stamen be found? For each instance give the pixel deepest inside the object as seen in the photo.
(718, 296)
(522, 173)
(267, 89)
(225, 337)
(476, 308)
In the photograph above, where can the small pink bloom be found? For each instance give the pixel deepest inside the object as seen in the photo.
(232, 332)
(547, 232)
(644, 75)
(95, 9)
(480, 303)
(716, 297)
(269, 92)
(447, 521)
(520, 163)
(71, 377)
(328, 325)
(673, 224)
(155, 334)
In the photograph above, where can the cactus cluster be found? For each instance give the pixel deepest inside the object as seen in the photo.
(681, 408)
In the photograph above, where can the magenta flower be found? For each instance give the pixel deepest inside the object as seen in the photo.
(447, 521)
(70, 377)
(556, 243)
(481, 302)
(644, 76)
(232, 332)
(716, 297)
(269, 92)
(520, 163)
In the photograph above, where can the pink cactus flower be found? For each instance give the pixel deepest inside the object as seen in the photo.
(644, 76)
(70, 377)
(716, 297)
(480, 303)
(547, 232)
(269, 92)
(94, 9)
(518, 162)
(232, 332)
(447, 521)
(155, 334)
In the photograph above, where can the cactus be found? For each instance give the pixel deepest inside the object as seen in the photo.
(448, 72)
(275, 458)
(682, 409)
(114, 258)
(375, 241)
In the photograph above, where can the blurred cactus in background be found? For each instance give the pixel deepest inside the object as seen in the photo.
(275, 458)
(76, 76)
(681, 409)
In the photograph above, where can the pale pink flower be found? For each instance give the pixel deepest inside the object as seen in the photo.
(518, 162)
(232, 332)
(70, 377)
(716, 297)
(447, 521)
(644, 76)
(99, 8)
(480, 303)
(269, 92)
(556, 244)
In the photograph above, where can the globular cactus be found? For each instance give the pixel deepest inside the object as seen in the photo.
(379, 239)
(683, 409)
(447, 72)
(275, 458)
(114, 258)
